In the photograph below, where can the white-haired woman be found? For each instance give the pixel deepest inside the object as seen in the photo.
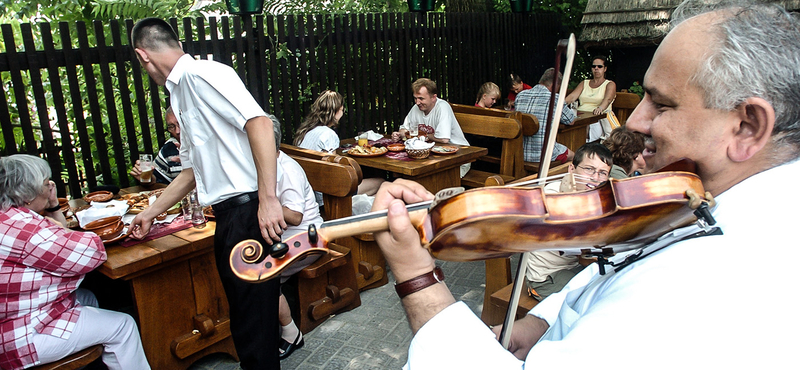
(46, 317)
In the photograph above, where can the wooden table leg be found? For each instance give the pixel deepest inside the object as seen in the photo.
(171, 303)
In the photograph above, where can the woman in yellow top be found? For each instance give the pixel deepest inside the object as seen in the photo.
(595, 95)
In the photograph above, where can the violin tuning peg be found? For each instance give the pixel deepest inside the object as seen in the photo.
(278, 250)
(312, 234)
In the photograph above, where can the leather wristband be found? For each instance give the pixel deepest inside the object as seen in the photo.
(420, 282)
(53, 209)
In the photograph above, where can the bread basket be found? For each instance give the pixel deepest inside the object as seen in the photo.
(418, 153)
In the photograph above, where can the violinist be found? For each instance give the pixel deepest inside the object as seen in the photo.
(549, 271)
(722, 90)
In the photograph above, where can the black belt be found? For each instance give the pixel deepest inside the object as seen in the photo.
(235, 201)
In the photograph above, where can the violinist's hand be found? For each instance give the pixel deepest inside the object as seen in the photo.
(401, 245)
(525, 333)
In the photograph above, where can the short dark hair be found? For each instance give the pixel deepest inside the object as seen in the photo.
(601, 57)
(154, 34)
(593, 149)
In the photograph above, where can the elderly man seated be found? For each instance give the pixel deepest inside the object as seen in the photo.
(549, 271)
(45, 316)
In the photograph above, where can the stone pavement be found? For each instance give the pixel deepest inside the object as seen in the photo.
(375, 335)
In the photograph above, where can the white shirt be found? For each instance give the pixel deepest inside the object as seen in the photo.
(295, 193)
(441, 118)
(725, 301)
(213, 106)
(321, 139)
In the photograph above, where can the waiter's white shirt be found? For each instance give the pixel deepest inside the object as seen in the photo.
(213, 105)
(726, 301)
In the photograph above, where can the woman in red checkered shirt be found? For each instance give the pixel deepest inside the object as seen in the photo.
(45, 317)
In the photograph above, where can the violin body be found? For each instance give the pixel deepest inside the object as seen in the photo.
(498, 222)
(495, 222)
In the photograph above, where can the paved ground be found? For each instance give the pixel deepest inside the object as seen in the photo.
(373, 336)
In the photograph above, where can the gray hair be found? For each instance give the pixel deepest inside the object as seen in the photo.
(21, 179)
(756, 54)
(276, 128)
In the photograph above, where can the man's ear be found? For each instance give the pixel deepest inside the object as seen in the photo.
(757, 119)
(571, 168)
(142, 55)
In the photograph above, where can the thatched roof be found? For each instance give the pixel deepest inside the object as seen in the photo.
(626, 23)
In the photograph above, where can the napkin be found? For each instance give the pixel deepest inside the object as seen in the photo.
(416, 143)
(370, 135)
(99, 210)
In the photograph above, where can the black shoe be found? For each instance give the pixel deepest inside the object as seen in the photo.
(286, 348)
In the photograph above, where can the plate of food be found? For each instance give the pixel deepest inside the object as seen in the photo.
(370, 151)
(444, 149)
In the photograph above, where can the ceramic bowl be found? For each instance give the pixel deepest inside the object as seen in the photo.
(397, 147)
(98, 196)
(110, 233)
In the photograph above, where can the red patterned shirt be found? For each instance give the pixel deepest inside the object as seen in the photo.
(41, 265)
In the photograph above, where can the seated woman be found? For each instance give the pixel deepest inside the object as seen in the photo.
(626, 149)
(316, 132)
(46, 316)
(487, 95)
(595, 95)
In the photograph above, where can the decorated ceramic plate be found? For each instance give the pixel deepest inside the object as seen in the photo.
(444, 149)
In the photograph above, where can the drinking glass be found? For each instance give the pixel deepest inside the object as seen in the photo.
(413, 128)
(198, 218)
(186, 208)
(146, 165)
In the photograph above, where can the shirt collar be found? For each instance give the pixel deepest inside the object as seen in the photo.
(177, 71)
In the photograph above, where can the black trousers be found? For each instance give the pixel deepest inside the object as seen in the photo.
(254, 307)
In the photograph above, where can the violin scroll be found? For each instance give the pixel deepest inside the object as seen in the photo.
(251, 262)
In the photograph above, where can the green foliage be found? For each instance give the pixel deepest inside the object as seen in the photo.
(334, 6)
(637, 89)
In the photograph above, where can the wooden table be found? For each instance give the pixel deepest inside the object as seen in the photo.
(180, 304)
(575, 135)
(435, 173)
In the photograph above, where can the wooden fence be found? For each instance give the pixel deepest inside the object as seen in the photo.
(78, 97)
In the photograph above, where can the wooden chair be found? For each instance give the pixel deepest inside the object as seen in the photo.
(328, 286)
(624, 104)
(499, 281)
(507, 129)
(528, 122)
(74, 361)
(369, 263)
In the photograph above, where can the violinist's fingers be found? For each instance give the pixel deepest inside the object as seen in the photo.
(401, 246)
(405, 190)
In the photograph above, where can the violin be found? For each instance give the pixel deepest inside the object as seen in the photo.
(497, 222)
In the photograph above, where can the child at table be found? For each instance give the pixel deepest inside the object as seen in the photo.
(299, 211)
(487, 95)
(316, 133)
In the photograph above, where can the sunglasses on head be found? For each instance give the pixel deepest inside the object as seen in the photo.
(597, 66)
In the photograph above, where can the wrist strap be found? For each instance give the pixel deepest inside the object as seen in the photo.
(420, 282)
(53, 209)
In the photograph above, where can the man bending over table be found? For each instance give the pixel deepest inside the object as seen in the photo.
(228, 152)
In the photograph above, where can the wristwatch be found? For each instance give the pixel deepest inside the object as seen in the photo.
(53, 209)
(420, 282)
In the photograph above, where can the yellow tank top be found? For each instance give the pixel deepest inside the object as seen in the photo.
(591, 98)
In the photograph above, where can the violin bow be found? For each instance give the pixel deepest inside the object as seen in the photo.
(554, 108)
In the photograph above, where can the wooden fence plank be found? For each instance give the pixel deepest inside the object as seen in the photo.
(111, 106)
(94, 108)
(59, 105)
(29, 145)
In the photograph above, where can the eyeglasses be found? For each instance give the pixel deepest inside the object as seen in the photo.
(172, 127)
(591, 171)
(598, 66)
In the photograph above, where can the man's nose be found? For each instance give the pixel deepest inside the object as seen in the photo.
(638, 121)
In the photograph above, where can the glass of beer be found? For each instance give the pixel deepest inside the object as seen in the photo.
(146, 165)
